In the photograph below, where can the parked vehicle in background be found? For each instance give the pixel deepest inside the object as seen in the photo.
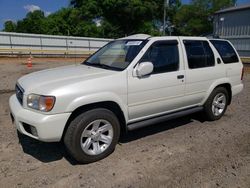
(130, 83)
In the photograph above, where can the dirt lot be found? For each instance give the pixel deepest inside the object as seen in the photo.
(13, 68)
(187, 152)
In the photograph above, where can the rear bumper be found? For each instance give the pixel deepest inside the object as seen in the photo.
(48, 128)
(237, 89)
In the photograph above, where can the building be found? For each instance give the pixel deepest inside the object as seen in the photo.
(234, 24)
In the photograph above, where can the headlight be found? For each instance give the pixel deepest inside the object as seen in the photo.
(39, 102)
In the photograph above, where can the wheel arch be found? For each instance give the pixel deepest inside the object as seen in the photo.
(110, 105)
(229, 90)
(222, 83)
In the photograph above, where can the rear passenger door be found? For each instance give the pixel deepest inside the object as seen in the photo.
(201, 70)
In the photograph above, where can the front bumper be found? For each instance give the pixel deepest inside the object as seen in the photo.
(48, 128)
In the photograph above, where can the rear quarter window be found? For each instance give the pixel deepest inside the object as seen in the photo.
(226, 51)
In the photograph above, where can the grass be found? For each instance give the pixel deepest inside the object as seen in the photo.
(245, 60)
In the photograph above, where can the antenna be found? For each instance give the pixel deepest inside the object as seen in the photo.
(166, 4)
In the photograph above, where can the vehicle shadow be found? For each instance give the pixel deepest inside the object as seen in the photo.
(160, 127)
(49, 152)
(42, 151)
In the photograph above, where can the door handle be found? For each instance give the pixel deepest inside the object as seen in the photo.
(180, 76)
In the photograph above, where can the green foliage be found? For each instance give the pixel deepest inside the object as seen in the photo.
(219, 4)
(33, 23)
(9, 26)
(192, 20)
(118, 18)
(129, 16)
(197, 17)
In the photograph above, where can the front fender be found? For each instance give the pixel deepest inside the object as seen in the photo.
(99, 97)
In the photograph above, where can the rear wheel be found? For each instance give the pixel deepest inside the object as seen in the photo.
(216, 104)
(92, 135)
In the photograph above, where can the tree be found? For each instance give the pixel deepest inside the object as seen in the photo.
(191, 20)
(118, 18)
(197, 17)
(9, 26)
(220, 4)
(125, 16)
(34, 22)
(58, 23)
(129, 15)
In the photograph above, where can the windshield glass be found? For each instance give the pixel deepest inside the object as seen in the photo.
(116, 55)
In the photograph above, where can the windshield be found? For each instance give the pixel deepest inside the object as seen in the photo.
(116, 55)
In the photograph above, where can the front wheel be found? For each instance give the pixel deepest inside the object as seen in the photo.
(92, 135)
(217, 103)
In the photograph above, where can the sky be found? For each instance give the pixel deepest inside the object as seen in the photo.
(17, 9)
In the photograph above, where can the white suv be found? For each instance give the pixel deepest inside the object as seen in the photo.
(128, 84)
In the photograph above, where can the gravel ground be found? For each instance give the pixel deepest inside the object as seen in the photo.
(186, 152)
(13, 68)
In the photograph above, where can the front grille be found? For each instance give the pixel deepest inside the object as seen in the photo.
(19, 93)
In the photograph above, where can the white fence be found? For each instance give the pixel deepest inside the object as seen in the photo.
(23, 44)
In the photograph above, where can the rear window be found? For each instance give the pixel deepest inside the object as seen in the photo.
(226, 51)
(199, 54)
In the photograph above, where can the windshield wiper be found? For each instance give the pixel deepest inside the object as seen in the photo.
(102, 66)
(86, 63)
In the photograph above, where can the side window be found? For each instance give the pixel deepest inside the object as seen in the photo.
(164, 55)
(199, 54)
(226, 51)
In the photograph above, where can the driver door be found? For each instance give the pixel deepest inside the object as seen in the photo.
(162, 91)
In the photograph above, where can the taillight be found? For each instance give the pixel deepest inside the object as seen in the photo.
(242, 73)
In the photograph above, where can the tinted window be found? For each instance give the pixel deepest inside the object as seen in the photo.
(164, 55)
(199, 54)
(226, 51)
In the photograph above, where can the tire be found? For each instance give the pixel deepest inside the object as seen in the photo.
(92, 135)
(213, 107)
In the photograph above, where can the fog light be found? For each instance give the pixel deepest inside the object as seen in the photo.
(33, 131)
(30, 129)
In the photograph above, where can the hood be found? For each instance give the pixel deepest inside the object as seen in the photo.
(46, 80)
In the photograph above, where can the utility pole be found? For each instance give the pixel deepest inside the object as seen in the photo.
(166, 4)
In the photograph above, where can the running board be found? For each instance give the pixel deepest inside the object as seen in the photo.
(163, 118)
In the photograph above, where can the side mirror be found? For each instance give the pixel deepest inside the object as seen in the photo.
(144, 68)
